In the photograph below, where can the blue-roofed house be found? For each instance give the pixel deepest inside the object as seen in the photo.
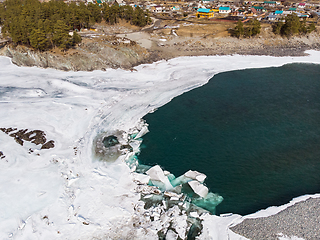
(278, 12)
(272, 17)
(301, 15)
(224, 10)
(205, 13)
(270, 3)
(259, 8)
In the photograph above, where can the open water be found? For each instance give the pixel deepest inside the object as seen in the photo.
(255, 133)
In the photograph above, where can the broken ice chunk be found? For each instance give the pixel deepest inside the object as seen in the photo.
(199, 188)
(200, 177)
(171, 235)
(194, 214)
(209, 202)
(135, 145)
(144, 130)
(177, 189)
(153, 201)
(187, 177)
(158, 178)
(140, 178)
(180, 180)
(171, 177)
(172, 195)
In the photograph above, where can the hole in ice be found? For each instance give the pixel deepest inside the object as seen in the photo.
(110, 141)
(108, 147)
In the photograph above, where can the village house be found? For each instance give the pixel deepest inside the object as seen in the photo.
(239, 12)
(302, 15)
(270, 3)
(259, 8)
(156, 9)
(278, 12)
(224, 10)
(273, 17)
(291, 10)
(205, 13)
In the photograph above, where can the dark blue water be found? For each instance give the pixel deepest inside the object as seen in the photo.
(255, 134)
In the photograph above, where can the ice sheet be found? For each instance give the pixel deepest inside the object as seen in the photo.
(62, 192)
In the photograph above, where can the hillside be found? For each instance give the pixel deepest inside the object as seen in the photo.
(125, 46)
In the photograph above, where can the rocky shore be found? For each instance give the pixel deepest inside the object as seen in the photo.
(127, 48)
(300, 221)
(88, 56)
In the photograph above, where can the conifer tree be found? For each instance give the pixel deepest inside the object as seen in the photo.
(311, 27)
(276, 28)
(84, 15)
(303, 26)
(106, 12)
(256, 27)
(61, 37)
(114, 13)
(291, 26)
(95, 13)
(239, 30)
(38, 39)
(76, 38)
(127, 13)
(2, 14)
(140, 18)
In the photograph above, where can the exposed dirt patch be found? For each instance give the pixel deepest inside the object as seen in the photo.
(36, 137)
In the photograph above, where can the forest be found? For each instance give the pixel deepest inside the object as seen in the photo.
(44, 25)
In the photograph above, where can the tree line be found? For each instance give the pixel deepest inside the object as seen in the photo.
(288, 26)
(46, 25)
(292, 25)
(137, 16)
(250, 29)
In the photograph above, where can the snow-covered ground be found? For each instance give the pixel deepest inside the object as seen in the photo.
(64, 192)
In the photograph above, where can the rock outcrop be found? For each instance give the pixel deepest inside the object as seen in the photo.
(85, 57)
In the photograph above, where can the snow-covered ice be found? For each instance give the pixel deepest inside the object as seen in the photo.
(64, 192)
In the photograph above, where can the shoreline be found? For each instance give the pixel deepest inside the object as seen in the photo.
(129, 50)
(131, 96)
(236, 220)
(298, 219)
